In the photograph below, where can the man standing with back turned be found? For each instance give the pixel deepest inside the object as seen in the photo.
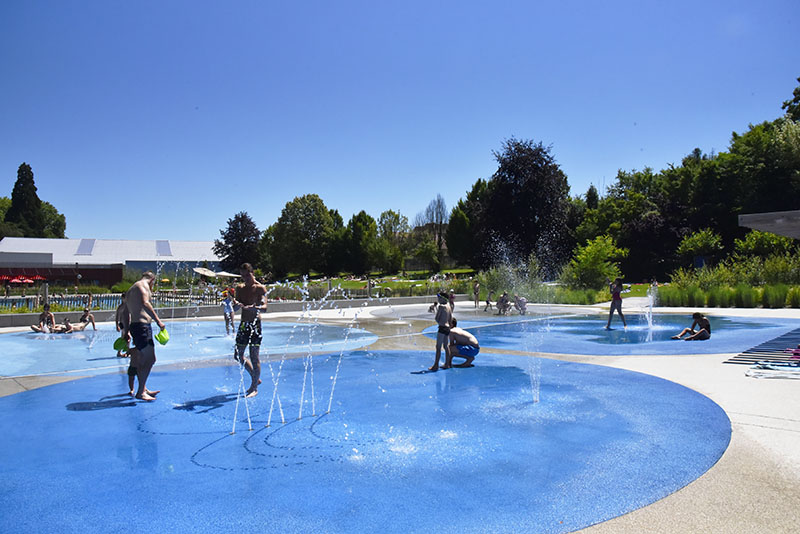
(141, 313)
(251, 298)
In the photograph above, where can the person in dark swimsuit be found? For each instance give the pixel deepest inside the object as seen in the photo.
(251, 299)
(444, 316)
(616, 302)
(703, 331)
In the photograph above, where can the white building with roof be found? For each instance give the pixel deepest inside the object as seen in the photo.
(99, 260)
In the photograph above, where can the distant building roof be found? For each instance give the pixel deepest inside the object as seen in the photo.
(785, 223)
(103, 251)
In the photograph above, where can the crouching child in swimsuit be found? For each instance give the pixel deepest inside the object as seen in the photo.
(462, 344)
(444, 315)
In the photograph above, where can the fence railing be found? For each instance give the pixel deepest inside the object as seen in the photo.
(186, 298)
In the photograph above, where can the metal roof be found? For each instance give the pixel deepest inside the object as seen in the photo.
(108, 251)
(785, 223)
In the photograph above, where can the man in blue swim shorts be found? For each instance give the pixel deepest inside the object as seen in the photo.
(140, 314)
(462, 344)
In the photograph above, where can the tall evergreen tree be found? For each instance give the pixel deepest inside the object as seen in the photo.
(239, 243)
(25, 211)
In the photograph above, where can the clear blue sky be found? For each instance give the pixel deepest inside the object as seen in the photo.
(154, 120)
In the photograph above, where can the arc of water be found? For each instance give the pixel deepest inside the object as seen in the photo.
(239, 392)
(353, 324)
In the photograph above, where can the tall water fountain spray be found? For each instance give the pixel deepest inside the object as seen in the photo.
(652, 297)
(520, 279)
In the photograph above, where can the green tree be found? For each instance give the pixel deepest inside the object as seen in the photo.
(427, 253)
(526, 205)
(7, 229)
(390, 247)
(239, 242)
(55, 224)
(702, 246)
(458, 237)
(335, 253)
(792, 106)
(593, 263)
(25, 211)
(433, 222)
(301, 236)
(763, 244)
(592, 197)
(362, 233)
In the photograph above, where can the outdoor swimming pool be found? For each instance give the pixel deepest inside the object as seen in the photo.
(586, 334)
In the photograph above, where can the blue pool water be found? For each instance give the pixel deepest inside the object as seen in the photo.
(28, 353)
(463, 450)
(585, 334)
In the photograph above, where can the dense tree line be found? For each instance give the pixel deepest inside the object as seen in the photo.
(523, 214)
(25, 214)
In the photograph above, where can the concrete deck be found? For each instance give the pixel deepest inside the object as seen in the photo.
(755, 486)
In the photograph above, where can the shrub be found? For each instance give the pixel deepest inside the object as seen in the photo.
(774, 296)
(576, 296)
(720, 297)
(696, 298)
(744, 296)
(793, 298)
(706, 243)
(671, 296)
(757, 243)
(593, 263)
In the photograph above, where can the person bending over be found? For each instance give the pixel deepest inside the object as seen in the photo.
(463, 344)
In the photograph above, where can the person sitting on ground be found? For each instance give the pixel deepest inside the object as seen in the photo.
(87, 318)
(65, 328)
(46, 321)
(521, 304)
(703, 332)
(503, 304)
(462, 344)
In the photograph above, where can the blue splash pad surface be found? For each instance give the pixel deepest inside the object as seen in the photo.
(463, 450)
(29, 353)
(586, 334)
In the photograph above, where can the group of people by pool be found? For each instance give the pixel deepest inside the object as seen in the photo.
(47, 323)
